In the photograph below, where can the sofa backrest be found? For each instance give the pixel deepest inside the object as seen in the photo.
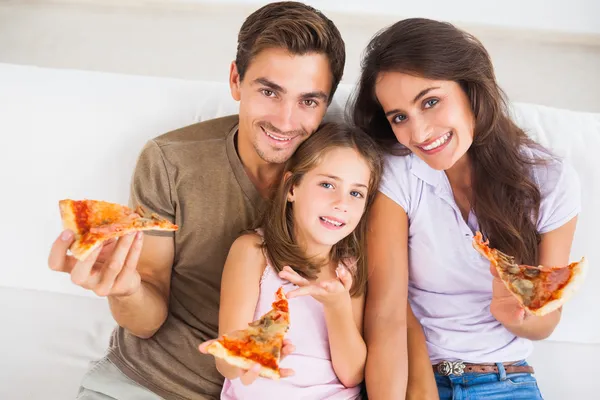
(77, 134)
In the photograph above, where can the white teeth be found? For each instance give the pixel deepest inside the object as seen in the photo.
(438, 142)
(277, 138)
(331, 222)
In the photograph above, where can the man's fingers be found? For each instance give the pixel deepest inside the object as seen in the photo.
(250, 376)
(58, 260)
(114, 265)
(81, 272)
(123, 280)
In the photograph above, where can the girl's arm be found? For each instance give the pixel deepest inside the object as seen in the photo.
(343, 316)
(386, 302)
(554, 249)
(239, 291)
(348, 349)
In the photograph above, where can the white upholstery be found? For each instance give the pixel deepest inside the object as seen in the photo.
(77, 134)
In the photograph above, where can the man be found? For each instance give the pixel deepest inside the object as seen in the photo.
(211, 179)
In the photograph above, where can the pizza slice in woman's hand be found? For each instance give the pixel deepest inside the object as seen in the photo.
(540, 290)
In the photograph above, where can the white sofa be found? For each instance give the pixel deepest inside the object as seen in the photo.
(69, 133)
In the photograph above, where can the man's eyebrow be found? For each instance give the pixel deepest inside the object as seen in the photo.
(319, 94)
(270, 84)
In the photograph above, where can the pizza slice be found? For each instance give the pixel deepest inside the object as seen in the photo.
(95, 221)
(260, 343)
(540, 290)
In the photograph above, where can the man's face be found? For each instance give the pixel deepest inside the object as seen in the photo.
(283, 99)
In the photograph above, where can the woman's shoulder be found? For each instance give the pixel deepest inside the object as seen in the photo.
(548, 169)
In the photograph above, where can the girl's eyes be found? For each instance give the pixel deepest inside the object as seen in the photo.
(353, 193)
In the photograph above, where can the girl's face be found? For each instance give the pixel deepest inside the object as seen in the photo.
(431, 118)
(330, 199)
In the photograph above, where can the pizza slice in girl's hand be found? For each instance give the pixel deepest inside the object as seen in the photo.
(540, 290)
(94, 221)
(260, 343)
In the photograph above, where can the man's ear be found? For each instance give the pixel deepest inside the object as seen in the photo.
(290, 195)
(234, 81)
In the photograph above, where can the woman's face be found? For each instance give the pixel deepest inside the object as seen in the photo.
(431, 118)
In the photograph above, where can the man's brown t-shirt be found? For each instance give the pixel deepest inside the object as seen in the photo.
(193, 177)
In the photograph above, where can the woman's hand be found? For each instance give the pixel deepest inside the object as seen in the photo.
(505, 307)
(331, 293)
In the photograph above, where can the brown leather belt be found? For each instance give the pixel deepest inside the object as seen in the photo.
(457, 368)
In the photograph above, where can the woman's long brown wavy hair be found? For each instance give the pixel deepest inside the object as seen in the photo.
(277, 222)
(505, 199)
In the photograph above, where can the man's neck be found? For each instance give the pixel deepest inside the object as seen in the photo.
(263, 175)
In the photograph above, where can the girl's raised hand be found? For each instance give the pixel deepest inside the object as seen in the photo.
(330, 293)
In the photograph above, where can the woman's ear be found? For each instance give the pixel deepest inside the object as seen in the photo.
(290, 194)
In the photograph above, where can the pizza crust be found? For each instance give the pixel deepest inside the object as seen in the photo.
(578, 275)
(82, 250)
(217, 350)
(68, 217)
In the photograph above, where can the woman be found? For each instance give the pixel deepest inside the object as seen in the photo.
(457, 164)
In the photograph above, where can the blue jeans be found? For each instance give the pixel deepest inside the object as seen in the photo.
(493, 386)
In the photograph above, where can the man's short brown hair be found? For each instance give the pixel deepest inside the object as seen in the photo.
(296, 27)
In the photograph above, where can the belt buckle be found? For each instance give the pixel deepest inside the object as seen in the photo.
(447, 368)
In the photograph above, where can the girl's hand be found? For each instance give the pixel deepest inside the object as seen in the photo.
(247, 377)
(330, 293)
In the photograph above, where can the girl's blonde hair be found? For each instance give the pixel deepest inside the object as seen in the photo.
(278, 223)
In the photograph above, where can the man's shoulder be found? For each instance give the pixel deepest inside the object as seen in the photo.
(204, 131)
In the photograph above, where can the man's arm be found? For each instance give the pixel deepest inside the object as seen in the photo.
(385, 326)
(134, 272)
(144, 311)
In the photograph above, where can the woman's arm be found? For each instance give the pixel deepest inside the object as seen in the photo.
(386, 372)
(348, 349)
(554, 250)
(421, 379)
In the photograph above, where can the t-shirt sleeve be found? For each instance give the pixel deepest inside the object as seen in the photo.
(395, 181)
(561, 195)
(151, 185)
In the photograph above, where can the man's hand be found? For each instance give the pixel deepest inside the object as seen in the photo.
(505, 307)
(247, 377)
(330, 293)
(110, 270)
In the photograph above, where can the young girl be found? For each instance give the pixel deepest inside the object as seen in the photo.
(311, 242)
(457, 165)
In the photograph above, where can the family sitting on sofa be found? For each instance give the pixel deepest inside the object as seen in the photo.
(367, 223)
